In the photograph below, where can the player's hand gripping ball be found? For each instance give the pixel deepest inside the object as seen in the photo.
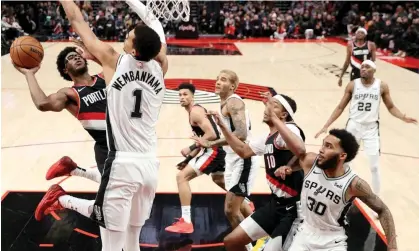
(26, 52)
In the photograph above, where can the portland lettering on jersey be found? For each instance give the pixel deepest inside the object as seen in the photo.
(142, 76)
(94, 97)
(269, 148)
(312, 185)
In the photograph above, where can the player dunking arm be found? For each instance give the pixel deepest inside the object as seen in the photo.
(239, 173)
(357, 51)
(277, 216)
(328, 191)
(365, 94)
(134, 98)
(211, 161)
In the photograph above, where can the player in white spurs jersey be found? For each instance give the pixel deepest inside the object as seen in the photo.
(329, 188)
(135, 94)
(365, 95)
(239, 173)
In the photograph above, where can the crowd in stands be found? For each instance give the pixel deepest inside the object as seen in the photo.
(265, 19)
(393, 27)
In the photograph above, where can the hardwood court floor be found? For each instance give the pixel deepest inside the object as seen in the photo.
(32, 141)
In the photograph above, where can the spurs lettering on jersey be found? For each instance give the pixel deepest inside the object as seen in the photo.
(319, 189)
(365, 102)
(324, 200)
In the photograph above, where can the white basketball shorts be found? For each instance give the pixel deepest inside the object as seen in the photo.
(127, 190)
(368, 134)
(310, 238)
(240, 174)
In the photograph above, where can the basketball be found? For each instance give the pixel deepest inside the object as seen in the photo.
(27, 52)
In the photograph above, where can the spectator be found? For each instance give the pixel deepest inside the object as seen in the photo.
(393, 28)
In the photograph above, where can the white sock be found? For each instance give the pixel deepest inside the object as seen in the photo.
(375, 173)
(82, 206)
(89, 173)
(186, 213)
(132, 237)
(141, 10)
(112, 240)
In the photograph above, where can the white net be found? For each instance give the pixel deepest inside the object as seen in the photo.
(171, 10)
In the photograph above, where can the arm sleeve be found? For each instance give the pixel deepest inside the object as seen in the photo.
(279, 142)
(258, 144)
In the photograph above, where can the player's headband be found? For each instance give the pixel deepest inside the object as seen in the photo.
(360, 29)
(285, 104)
(370, 63)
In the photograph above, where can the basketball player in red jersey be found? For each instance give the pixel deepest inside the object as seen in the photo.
(85, 100)
(211, 161)
(357, 51)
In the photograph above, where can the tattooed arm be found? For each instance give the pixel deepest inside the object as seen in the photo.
(236, 110)
(360, 189)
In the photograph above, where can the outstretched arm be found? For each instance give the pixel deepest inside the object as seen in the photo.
(236, 110)
(339, 109)
(291, 141)
(106, 55)
(152, 22)
(347, 61)
(55, 102)
(360, 189)
(199, 118)
(391, 107)
(242, 149)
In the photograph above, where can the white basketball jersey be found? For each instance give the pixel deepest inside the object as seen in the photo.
(229, 122)
(365, 102)
(323, 199)
(134, 98)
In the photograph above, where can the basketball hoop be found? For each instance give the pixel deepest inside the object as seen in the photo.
(171, 10)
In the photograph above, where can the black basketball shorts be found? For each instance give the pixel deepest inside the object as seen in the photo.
(273, 219)
(101, 153)
(212, 160)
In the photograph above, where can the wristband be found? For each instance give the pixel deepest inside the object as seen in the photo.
(185, 161)
(192, 147)
(188, 158)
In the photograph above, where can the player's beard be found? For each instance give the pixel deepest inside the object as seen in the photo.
(330, 163)
(78, 72)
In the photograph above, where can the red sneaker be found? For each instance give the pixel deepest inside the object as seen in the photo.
(48, 201)
(181, 227)
(62, 167)
(54, 207)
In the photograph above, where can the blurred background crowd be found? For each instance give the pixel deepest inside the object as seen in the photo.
(393, 26)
